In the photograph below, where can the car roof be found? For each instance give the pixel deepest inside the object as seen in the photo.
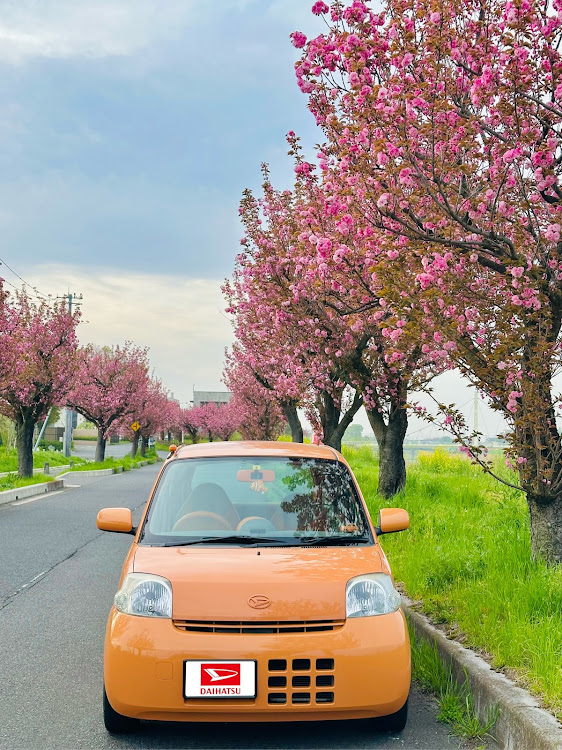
(251, 448)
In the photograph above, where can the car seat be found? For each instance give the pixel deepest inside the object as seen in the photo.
(211, 498)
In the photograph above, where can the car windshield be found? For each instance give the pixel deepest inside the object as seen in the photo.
(263, 501)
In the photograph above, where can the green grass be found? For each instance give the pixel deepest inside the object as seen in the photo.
(12, 481)
(163, 446)
(9, 459)
(456, 706)
(467, 560)
(127, 462)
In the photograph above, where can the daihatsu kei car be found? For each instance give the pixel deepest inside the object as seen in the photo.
(255, 590)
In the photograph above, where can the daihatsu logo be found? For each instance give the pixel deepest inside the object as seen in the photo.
(221, 674)
(213, 673)
(259, 601)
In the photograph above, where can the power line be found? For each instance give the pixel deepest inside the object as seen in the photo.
(26, 283)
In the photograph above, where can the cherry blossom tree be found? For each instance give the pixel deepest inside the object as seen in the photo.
(443, 127)
(306, 288)
(278, 345)
(37, 362)
(153, 411)
(260, 416)
(108, 384)
(217, 421)
(190, 421)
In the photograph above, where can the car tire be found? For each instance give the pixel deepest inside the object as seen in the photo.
(116, 723)
(393, 722)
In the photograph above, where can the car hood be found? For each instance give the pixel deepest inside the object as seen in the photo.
(211, 583)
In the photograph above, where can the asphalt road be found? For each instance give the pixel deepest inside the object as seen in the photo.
(58, 575)
(87, 449)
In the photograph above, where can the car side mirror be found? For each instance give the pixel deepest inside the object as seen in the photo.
(391, 520)
(116, 519)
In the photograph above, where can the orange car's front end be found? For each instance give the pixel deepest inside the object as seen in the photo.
(311, 662)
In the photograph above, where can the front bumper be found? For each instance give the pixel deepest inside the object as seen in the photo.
(144, 657)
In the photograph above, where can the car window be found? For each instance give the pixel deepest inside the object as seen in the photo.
(279, 498)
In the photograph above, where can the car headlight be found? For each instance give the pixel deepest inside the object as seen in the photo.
(371, 594)
(145, 595)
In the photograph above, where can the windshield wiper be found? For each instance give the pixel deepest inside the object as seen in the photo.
(232, 539)
(321, 541)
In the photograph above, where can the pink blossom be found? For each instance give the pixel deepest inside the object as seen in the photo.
(298, 39)
(319, 7)
(552, 233)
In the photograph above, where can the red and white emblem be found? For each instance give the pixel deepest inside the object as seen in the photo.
(213, 673)
(220, 679)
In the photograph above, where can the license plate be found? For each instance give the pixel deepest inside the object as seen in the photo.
(220, 679)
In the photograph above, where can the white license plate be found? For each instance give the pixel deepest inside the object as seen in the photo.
(220, 679)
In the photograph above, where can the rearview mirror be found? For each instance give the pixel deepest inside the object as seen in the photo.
(116, 519)
(391, 520)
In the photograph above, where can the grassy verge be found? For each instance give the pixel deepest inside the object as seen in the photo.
(127, 462)
(456, 706)
(467, 561)
(12, 481)
(163, 446)
(9, 459)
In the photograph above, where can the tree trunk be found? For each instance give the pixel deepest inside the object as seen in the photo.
(546, 527)
(538, 442)
(332, 426)
(390, 440)
(24, 441)
(143, 445)
(291, 415)
(100, 446)
(135, 444)
(193, 433)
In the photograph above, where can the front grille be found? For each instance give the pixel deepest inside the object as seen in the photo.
(301, 681)
(256, 626)
(276, 682)
(277, 698)
(298, 674)
(301, 697)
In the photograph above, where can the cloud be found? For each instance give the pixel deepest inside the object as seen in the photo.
(181, 319)
(87, 28)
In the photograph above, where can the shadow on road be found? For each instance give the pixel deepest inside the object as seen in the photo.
(325, 735)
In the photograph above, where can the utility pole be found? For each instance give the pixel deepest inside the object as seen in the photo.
(475, 439)
(71, 299)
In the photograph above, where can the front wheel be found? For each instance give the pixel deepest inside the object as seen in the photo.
(116, 723)
(393, 722)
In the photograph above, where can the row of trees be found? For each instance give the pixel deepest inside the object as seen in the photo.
(42, 365)
(426, 236)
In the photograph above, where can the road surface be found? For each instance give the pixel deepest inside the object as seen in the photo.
(87, 449)
(58, 575)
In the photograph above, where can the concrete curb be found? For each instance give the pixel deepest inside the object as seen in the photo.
(19, 493)
(522, 724)
(100, 472)
(91, 473)
(36, 471)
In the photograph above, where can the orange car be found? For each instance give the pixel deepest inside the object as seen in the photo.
(255, 590)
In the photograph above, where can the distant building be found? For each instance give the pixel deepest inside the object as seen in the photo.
(200, 398)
